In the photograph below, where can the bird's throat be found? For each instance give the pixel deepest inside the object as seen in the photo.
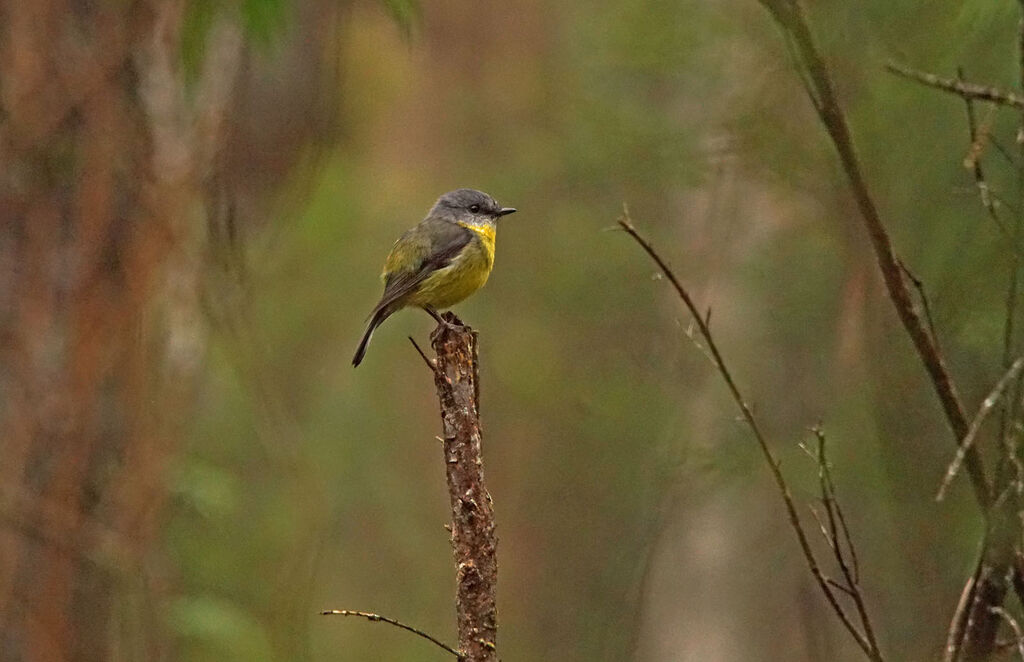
(486, 234)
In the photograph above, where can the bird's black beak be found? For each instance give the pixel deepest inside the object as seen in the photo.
(505, 211)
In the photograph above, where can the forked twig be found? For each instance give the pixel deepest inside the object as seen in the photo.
(925, 303)
(836, 519)
(865, 640)
(979, 137)
(839, 533)
(390, 621)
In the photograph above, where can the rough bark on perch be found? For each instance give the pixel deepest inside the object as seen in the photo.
(472, 528)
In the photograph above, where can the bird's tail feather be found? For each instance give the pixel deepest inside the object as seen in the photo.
(379, 315)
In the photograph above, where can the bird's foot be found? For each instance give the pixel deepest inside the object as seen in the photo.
(446, 321)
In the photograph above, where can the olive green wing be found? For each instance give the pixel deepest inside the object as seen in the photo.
(422, 250)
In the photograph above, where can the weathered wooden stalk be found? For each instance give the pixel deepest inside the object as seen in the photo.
(472, 528)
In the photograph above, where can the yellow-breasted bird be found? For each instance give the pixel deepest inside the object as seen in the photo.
(441, 261)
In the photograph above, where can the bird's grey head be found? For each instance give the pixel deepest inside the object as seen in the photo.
(467, 205)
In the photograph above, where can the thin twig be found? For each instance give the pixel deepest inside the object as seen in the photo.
(973, 160)
(842, 587)
(960, 88)
(1009, 620)
(958, 624)
(837, 521)
(984, 410)
(821, 527)
(981, 135)
(864, 640)
(1005, 153)
(925, 304)
(1009, 411)
(390, 621)
(829, 489)
(430, 364)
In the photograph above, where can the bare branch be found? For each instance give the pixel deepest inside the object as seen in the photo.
(789, 16)
(866, 640)
(925, 304)
(958, 624)
(984, 410)
(1018, 634)
(842, 587)
(837, 521)
(961, 88)
(377, 618)
(979, 138)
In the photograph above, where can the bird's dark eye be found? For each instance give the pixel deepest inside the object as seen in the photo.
(474, 208)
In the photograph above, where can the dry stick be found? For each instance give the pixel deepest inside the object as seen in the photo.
(866, 640)
(958, 87)
(979, 631)
(1011, 410)
(789, 16)
(987, 405)
(958, 624)
(837, 521)
(1010, 159)
(377, 618)
(1009, 324)
(473, 538)
(1018, 633)
(973, 161)
(925, 304)
(835, 511)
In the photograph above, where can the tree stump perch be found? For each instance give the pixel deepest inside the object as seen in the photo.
(472, 528)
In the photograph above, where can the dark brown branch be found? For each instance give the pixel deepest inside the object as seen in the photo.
(865, 640)
(961, 88)
(377, 618)
(790, 18)
(473, 537)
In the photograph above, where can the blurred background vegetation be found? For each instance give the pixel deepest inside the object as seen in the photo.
(192, 469)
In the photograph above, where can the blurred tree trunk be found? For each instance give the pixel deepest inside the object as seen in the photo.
(104, 163)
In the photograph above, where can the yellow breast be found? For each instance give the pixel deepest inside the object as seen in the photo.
(486, 235)
(463, 276)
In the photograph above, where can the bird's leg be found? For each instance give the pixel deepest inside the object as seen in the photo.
(433, 313)
(440, 320)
